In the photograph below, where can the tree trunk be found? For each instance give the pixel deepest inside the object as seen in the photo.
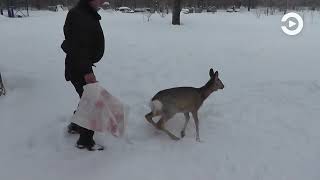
(2, 89)
(38, 4)
(176, 12)
(249, 5)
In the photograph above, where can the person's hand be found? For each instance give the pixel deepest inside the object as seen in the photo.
(90, 78)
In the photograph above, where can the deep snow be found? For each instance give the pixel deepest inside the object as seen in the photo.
(264, 125)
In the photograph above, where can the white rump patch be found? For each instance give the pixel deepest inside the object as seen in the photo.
(156, 106)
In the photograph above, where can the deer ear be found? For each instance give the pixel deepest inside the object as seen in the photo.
(211, 73)
(216, 74)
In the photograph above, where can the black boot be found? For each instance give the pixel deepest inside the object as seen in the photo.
(86, 140)
(91, 147)
(73, 128)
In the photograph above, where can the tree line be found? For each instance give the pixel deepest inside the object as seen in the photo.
(43, 4)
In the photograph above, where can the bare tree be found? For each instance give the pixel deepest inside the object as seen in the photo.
(2, 89)
(173, 4)
(176, 12)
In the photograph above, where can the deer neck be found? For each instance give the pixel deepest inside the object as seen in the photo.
(204, 92)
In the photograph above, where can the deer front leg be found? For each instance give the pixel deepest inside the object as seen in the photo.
(196, 121)
(186, 115)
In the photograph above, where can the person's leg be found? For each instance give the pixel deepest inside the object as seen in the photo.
(86, 136)
(73, 128)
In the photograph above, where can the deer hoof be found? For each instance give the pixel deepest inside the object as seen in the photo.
(175, 138)
(182, 134)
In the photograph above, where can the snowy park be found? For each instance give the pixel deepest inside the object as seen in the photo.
(264, 124)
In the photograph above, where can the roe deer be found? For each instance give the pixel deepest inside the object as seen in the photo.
(168, 102)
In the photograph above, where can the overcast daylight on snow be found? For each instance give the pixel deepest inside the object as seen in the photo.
(159, 89)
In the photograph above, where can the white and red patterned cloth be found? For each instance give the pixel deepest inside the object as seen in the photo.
(99, 111)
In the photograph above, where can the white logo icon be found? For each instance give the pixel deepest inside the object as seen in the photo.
(294, 24)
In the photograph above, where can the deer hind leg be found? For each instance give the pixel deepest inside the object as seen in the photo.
(149, 117)
(187, 116)
(196, 121)
(161, 126)
(165, 116)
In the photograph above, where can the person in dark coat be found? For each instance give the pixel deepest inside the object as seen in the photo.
(84, 46)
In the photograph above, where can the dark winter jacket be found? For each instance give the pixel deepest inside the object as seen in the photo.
(84, 40)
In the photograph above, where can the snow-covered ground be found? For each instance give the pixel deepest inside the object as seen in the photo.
(263, 126)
